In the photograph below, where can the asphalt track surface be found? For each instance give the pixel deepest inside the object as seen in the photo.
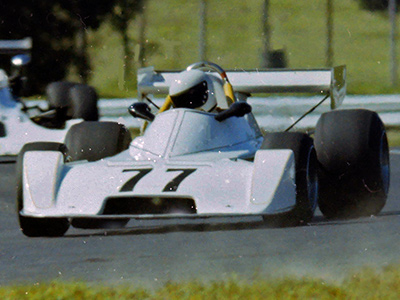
(150, 253)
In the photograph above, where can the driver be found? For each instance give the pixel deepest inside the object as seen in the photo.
(195, 89)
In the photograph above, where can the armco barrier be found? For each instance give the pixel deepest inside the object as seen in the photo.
(276, 113)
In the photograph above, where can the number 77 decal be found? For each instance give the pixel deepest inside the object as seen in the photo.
(171, 186)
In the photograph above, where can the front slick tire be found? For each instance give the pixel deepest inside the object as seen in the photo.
(305, 177)
(93, 141)
(105, 139)
(43, 227)
(353, 157)
(36, 227)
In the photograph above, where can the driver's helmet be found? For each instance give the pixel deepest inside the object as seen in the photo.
(193, 89)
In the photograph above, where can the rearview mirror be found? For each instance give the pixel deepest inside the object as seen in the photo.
(20, 60)
(237, 109)
(141, 110)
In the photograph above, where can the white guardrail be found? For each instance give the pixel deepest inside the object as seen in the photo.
(276, 113)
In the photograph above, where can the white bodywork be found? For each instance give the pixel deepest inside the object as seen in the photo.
(19, 129)
(184, 154)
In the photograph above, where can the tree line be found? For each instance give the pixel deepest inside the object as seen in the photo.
(58, 29)
(376, 5)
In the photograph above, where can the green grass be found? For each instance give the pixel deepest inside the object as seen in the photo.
(361, 40)
(367, 284)
(393, 135)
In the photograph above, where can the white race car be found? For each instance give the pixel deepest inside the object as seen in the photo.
(68, 104)
(195, 164)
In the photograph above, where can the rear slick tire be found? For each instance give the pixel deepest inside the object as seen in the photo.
(76, 100)
(106, 139)
(354, 169)
(84, 102)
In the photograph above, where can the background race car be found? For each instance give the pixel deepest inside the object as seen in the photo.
(68, 103)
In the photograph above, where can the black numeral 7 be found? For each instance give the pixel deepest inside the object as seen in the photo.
(171, 186)
(130, 184)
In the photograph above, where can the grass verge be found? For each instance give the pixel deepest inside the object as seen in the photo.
(234, 40)
(393, 135)
(367, 284)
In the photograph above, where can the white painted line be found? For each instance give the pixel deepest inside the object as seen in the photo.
(395, 151)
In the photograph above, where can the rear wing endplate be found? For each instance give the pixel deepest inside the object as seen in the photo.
(16, 46)
(330, 81)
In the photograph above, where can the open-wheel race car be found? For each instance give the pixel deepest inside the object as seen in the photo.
(67, 104)
(202, 160)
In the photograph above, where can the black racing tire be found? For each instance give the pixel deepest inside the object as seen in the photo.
(3, 131)
(106, 139)
(38, 227)
(305, 176)
(354, 167)
(57, 94)
(84, 102)
(93, 141)
(79, 101)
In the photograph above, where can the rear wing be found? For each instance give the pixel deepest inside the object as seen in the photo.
(16, 46)
(246, 82)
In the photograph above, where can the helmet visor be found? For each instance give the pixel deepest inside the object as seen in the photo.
(193, 98)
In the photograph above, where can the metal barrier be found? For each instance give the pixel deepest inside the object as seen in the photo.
(279, 113)
(276, 113)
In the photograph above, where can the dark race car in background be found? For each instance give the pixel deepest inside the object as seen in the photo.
(67, 104)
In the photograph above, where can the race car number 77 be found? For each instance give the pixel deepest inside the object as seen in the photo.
(171, 186)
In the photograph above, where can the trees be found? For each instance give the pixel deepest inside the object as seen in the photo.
(122, 14)
(52, 36)
(58, 30)
(376, 5)
(82, 15)
(391, 7)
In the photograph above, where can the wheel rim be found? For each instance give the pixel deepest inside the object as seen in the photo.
(384, 163)
(312, 179)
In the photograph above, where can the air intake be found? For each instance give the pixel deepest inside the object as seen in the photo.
(150, 205)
